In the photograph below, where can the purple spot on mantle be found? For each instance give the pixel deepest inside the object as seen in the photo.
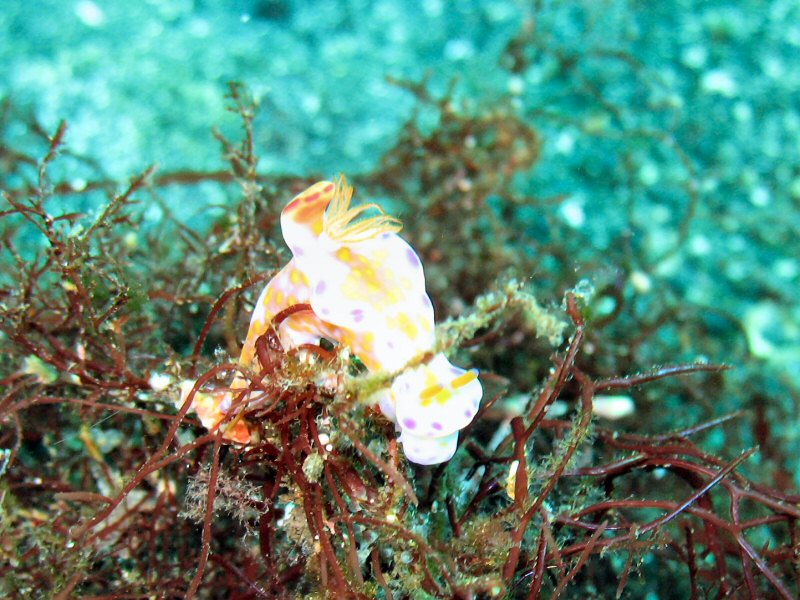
(436, 426)
(297, 251)
(326, 311)
(358, 314)
(468, 413)
(320, 287)
(412, 257)
(409, 423)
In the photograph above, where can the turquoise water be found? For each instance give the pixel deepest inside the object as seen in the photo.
(146, 80)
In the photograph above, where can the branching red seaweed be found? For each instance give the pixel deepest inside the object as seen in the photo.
(110, 490)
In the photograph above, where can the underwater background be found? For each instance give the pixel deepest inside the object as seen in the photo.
(644, 157)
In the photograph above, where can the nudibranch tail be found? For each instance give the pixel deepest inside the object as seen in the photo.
(338, 221)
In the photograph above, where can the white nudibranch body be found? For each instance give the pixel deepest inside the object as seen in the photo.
(366, 289)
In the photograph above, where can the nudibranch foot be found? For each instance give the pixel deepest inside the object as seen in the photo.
(423, 450)
(212, 408)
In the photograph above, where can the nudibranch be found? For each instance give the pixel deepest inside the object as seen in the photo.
(366, 289)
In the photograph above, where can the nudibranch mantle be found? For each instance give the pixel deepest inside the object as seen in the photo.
(366, 288)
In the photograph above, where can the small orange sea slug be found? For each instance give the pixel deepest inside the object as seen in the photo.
(366, 289)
